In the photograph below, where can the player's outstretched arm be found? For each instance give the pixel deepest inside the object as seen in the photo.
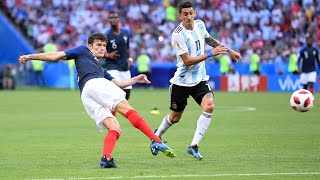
(188, 60)
(137, 79)
(47, 56)
(212, 42)
(235, 56)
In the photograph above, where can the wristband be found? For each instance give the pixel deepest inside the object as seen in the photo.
(130, 59)
(209, 54)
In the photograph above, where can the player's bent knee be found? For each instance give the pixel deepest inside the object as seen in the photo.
(209, 108)
(175, 118)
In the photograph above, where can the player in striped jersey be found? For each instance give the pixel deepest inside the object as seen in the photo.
(190, 78)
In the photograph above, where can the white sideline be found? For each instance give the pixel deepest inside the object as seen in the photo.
(236, 108)
(185, 176)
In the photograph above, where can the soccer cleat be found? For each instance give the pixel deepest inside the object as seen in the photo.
(155, 147)
(107, 163)
(193, 150)
(153, 150)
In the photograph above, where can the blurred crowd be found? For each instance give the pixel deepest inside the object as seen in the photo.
(274, 28)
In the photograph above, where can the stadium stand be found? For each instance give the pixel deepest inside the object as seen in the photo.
(269, 25)
(276, 27)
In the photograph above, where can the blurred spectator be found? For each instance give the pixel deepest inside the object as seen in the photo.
(255, 62)
(279, 64)
(1, 77)
(8, 78)
(50, 47)
(38, 73)
(143, 62)
(171, 13)
(293, 63)
(225, 64)
(267, 24)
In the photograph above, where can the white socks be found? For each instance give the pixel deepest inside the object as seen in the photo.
(165, 124)
(202, 126)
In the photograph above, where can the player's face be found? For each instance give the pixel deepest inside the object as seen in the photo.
(309, 42)
(187, 16)
(98, 48)
(113, 19)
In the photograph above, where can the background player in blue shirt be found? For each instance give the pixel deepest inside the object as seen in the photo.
(118, 60)
(309, 55)
(100, 94)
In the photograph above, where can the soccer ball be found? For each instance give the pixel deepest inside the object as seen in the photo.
(302, 100)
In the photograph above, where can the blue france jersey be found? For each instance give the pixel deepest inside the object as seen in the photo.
(119, 43)
(309, 57)
(87, 65)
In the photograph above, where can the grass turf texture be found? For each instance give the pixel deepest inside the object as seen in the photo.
(46, 134)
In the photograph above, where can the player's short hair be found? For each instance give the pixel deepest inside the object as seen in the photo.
(96, 36)
(309, 37)
(112, 12)
(185, 4)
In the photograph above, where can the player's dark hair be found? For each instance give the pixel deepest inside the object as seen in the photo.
(96, 36)
(112, 12)
(186, 4)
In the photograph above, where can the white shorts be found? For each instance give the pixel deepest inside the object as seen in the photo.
(100, 96)
(121, 75)
(308, 77)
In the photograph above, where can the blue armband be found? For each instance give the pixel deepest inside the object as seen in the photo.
(209, 54)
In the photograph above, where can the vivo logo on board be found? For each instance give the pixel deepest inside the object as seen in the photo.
(288, 84)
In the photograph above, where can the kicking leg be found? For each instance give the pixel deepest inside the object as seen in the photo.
(138, 122)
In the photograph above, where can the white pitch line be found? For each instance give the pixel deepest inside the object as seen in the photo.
(236, 108)
(185, 176)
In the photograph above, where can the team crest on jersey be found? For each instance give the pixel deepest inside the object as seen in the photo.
(174, 105)
(125, 38)
(200, 33)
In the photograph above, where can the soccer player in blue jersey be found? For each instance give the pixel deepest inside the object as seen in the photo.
(100, 93)
(118, 60)
(190, 78)
(309, 55)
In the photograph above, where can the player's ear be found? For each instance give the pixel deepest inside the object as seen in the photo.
(179, 16)
(90, 46)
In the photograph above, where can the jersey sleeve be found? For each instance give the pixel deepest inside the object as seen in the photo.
(73, 53)
(204, 29)
(300, 54)
(179, 44)
(127, 32)
(107, 75)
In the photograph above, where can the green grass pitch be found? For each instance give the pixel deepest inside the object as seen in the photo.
(46, 134)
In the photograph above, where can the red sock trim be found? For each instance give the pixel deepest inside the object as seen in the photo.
(312, 90)
(110, 142)
(138, 122)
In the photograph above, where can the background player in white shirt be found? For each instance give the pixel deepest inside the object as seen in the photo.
(190, 78)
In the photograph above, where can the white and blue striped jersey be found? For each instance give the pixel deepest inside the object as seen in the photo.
(191, 41)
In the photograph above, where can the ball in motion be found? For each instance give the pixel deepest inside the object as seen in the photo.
(302, 100)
